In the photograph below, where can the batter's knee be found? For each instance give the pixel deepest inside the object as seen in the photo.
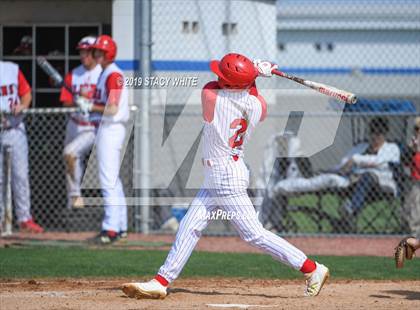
(70, 161)
(253, 235)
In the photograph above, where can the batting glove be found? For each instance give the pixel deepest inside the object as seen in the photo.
(265, 68)
(85, 105)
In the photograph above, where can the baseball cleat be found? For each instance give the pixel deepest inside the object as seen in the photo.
(316, 280)
(151, 290)
(122, 235)
(31, 227)
(105, 237)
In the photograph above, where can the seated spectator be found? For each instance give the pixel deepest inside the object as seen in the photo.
(412, 201)
(282, 160)
(365, 169)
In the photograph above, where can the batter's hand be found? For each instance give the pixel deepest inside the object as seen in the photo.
(85, 105)
(17, 109)
(265, 68)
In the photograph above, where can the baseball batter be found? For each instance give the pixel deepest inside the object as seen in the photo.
(15, 96)
(81, 127)
(111, 101)
(232, 108)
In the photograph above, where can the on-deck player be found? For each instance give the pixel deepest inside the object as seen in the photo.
(81, 127)
(15, 96)
(112, 102)
(232, 108)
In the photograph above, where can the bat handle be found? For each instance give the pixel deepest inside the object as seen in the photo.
(278, 72)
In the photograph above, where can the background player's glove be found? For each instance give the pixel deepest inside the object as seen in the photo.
(85, 105)
(403, 251)
(265, 68)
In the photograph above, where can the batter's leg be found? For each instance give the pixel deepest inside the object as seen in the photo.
(250, 229)
(20, 175)
(189, 232)
(2, 205)
(108, 145)
(79, 143)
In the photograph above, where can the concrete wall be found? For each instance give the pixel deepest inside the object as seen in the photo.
(49, 11)
(255, 29)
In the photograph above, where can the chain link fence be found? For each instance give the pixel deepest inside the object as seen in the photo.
(367, 47)
(371, 48)
(45, 130)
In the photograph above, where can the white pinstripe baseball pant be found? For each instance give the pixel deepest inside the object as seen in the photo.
(225, 188)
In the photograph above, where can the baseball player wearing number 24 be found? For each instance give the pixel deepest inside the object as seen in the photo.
(232, 108)
(15, 96)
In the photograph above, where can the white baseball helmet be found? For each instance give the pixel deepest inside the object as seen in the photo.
(86, 42)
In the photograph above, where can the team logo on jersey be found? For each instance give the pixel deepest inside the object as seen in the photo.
(7, 90)
(87, 90)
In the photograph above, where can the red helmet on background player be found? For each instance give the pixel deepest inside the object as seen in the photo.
(86, 43)
(234, 70)
(107, 44)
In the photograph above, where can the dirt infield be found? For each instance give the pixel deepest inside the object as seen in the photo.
(336, 245)
(210, 294)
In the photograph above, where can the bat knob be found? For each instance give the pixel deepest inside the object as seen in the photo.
(352, 99)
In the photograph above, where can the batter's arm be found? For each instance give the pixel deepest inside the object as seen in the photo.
(26, 100)
(208, 100)
(114, 86)
(25, 94)
(66, 97)
(253, 91)
(108, 110)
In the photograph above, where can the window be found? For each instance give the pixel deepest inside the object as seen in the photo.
(281, 46)
(195, 27)
(56, 43)
(190, 27)
(324, 46)
(229, 28)
(185, 27)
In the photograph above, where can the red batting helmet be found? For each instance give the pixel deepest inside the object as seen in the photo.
(235, 70)
(86, 43)
(107, 44)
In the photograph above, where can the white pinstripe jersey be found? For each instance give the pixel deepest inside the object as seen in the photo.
(12, 84)
(230, 117)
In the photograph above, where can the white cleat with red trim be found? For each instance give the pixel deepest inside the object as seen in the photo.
(152, 289)
(316, 280)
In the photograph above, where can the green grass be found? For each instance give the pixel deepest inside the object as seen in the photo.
(59, 262)
(331, 204)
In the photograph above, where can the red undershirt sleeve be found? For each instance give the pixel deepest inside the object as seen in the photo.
(65, 95)
(114, 86)
(23, 85)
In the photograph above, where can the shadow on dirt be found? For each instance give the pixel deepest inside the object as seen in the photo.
(212, 293)
(410, 295)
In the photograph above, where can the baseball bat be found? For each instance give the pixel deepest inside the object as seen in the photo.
(339, 94)
(52, 73)
(7, 213)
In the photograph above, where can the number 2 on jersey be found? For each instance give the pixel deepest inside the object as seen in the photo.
(238, 137)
